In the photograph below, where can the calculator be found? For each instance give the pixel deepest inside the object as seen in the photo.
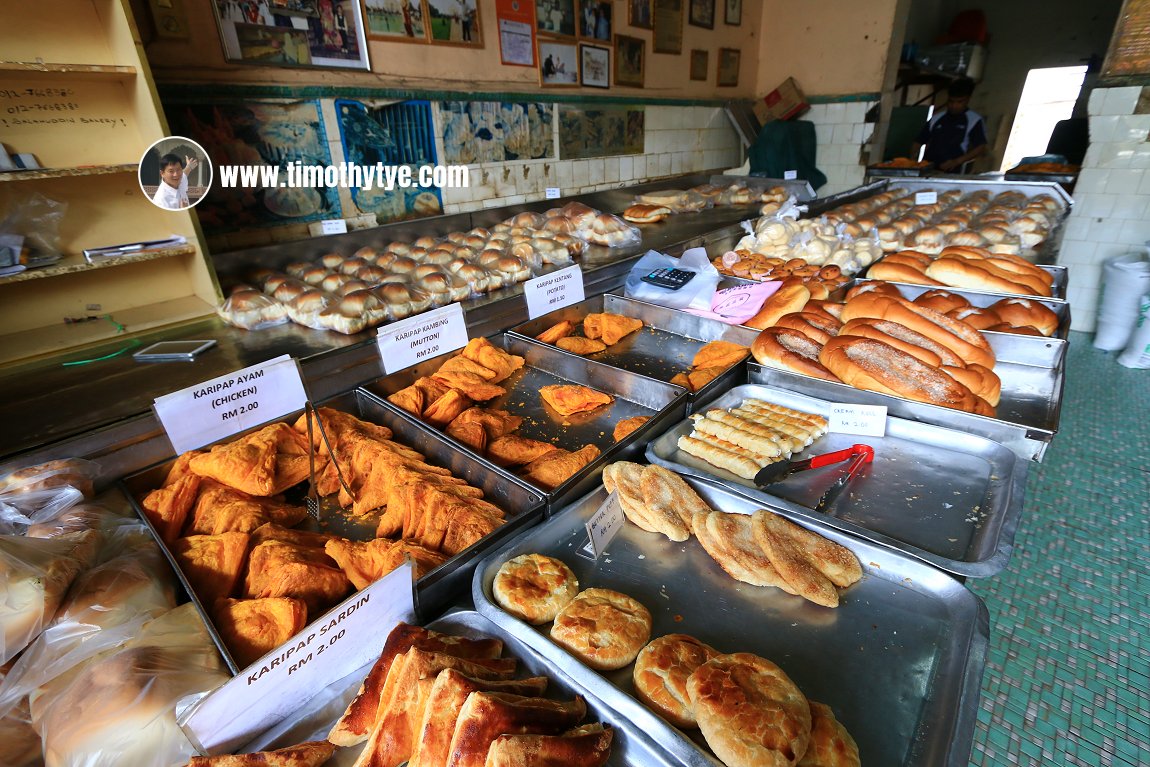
(672, 279)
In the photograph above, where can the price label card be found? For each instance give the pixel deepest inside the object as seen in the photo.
(553, 291)
(334, 226)
(607, 520)
(552, 193)
(279, 684)
(925, 198)
(221, 407)
(790, 175)
(867, 420)
(404, 343)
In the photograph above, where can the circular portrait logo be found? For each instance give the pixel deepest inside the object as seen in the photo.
(175, 173)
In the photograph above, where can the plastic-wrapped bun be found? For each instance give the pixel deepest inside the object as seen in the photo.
(252, 310)
(306, 308)
(291, 288)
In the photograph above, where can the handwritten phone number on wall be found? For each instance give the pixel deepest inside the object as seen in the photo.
(38, 93)
(57, 106)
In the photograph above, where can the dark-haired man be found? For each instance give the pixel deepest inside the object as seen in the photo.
(956, 135)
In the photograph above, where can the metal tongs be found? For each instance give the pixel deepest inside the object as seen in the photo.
(312, 501)
(857, 454)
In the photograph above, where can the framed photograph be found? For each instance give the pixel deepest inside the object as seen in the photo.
(629, 60)
(558, 64)
(555, 17)
(454, 22)
(733, 12)
(703, 13)
(698, 64)
(594, 66)
(728, 67)
(668, 16)
(318, 34)
(595, 22)
(402, 22)
(639, 14)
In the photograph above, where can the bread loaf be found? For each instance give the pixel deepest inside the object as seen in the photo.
(788, 349)
(791, 296)
(1021, 312)
(962, 273)
(957, 336)
(898, 272)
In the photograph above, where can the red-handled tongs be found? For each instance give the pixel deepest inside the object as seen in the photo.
(858, 455)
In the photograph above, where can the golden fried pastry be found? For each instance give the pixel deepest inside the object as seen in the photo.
(534, 587)
(278, 569)
(750, 712)
(273, 532)
(603, 628)
(831, 745)
(252, 628)
(511, 450)
(490, 356)
(811, 564)
(720, 354)
(310, 754)
(360, 716)
(554, 468)
(586, 746)
(624, 479)
(461, 364)
(667, 494)
(167, 507)
(700, 377)
(212, 563)
(580, 345)
(568, 399)
(559, 330)
(265, 462)
(444, 702)
(415, 398)
(495, 422)
(440, 517)
(661, 672)
(487, 715)
(628, 425)
(730, 540)
(365, 562)
(220, 509)
(611, 328)
(471, 434)
(474, 386)
(447, 408)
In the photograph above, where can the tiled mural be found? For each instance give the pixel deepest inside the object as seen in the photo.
(599, 132)
(491, 131)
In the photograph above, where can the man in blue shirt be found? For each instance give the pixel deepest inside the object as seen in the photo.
(955, 136)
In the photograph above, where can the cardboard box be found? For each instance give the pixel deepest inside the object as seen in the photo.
(783, 103)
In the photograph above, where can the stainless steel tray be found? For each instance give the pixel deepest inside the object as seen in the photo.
(899, 661)
(1061, 275)
(664, 346)
(630, 745)
(435, 590)
(982, 299)
(878, 171)
(950, 499)
(1026, 418)
(634, 395)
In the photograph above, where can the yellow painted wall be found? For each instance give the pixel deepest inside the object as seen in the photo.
(200, 58)
(830, 47)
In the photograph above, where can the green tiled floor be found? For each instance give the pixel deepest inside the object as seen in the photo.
(1068, 675)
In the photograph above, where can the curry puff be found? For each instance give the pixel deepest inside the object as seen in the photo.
(278, 569)
(569, 399)
(221, 509)
(167, 507)
(513, 450)
(554, 468)
(310, 754)
(611, 328)
(252, 628)
(559, 330)
(443, 517)
(366, 562)
(212, 563)
(488, 355)
(263, 463)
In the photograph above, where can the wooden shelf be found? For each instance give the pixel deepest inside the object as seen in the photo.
(37, 174)
(45, 68)
(74, 264)
(54, 339)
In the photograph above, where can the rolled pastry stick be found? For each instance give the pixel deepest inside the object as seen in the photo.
(785, 442)
(762, 445)
(803, 426)
(814, 419)
(719, 455)
(800, 435)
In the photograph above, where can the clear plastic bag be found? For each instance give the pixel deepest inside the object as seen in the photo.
(30, 229)
(252, 310)
(75, 472)
(119, 709)
(695, 294)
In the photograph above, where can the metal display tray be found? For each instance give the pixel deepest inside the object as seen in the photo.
(664, 347)
(900, 661)
(982, 299)
(878, 171)
(436, 590)
(1028, 411)
(1061, 275)
(629, 746)
(952, 500)
(634, 395)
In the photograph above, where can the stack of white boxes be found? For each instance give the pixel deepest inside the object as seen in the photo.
(1111, 215)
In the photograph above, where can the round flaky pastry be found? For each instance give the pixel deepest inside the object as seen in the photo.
(603, 628)
(661, 673)
(831, 745)
(534, 588)
(750, 712)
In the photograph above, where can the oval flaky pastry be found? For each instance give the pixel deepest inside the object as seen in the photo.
(603, 628)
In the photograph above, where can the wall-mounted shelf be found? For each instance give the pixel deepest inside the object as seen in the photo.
(77, 264)
(72, 70)
(47, 173)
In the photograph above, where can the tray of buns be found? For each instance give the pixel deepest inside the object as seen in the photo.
(605, 736)
(666, 345)
(549, 419)
(897, 664)
(238, 536)
(952, 500)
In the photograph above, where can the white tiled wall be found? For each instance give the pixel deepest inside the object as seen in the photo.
(1111, 213)
(841, 131)
(678, 140)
